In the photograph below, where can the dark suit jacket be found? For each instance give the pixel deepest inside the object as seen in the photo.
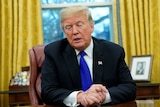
(61, 73)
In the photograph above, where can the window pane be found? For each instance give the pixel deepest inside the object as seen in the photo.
(70, 1)
(51, 24)
(101, 17)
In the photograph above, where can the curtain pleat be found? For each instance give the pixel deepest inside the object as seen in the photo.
(124, 24)
(115, 23)
(146, 24)
(20, 30)
(155, 35)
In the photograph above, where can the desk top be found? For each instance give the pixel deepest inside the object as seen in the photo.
(137, 103)
(125, 104)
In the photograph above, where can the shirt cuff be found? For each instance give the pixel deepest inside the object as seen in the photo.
(71, 100)
(108, 98)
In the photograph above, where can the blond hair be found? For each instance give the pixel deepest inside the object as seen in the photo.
(75, 10)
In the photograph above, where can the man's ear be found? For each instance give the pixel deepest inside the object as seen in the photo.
(92, 27)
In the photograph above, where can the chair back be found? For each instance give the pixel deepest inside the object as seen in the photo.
(36, 57)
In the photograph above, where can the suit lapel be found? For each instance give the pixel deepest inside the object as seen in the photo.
(72, 65)
(97, 62)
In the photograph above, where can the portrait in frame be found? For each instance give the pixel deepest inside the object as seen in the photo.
(141, 67)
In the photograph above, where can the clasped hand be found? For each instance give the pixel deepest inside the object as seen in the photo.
(95, 95)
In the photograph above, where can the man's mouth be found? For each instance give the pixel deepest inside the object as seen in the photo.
(77, 39)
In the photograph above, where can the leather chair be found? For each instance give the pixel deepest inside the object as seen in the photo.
(36, 57)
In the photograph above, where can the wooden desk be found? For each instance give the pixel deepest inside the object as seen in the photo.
(137, 103)
(148, 91)
(125, 104)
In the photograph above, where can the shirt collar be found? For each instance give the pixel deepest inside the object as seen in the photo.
(88, 50)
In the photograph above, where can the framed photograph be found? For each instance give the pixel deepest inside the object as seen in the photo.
(141, 67)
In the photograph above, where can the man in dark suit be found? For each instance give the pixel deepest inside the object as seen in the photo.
(61, 80)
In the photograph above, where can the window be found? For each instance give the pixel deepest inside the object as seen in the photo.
(101, 11)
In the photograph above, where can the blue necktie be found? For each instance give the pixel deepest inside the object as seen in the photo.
(85, 73)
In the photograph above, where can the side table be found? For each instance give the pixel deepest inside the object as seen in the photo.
(19, 95)
(148, 91)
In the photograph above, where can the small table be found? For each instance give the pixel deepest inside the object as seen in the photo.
(18, 95)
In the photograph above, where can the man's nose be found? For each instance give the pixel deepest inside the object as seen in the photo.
(75, 30)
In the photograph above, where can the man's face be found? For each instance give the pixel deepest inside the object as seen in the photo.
(78, 31)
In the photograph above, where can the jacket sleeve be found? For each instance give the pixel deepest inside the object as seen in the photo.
(126, 88)
(51, 91)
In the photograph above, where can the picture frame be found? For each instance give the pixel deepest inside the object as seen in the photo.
(141, 67)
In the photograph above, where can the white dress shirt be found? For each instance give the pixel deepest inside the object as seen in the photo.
(71, 100)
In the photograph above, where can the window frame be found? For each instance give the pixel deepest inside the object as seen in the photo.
(90, 4)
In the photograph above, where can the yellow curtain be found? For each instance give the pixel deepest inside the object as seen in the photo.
(115, 22)
(140, 26)
(20, 29)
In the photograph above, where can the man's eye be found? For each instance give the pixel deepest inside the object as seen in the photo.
(79, 24)
(68, 27)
